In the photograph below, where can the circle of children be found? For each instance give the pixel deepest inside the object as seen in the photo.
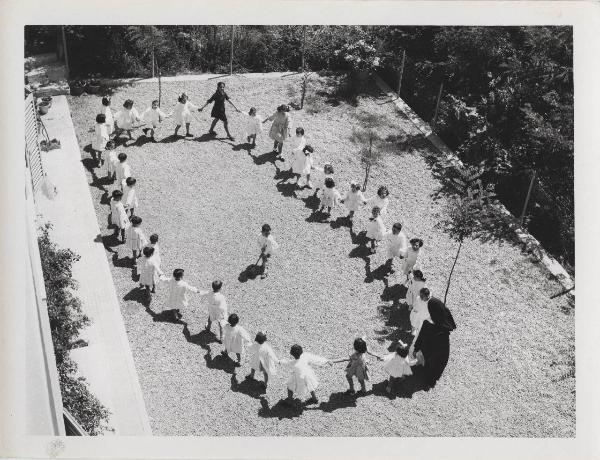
(430, 319)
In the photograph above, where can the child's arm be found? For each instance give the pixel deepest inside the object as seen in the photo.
(379, 358)
(238, 110)
(340, 360)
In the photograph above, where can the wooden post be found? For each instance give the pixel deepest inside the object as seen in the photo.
(64, 38)
(401, 71)
(528, 196)
(231, 54)
(152, 62)
(303, 47)
(437, 106)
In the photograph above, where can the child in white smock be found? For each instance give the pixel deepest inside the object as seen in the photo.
(130, 198)
(253, 126)
(100, 139)
(178, 292)
(217, 307)
(262, 358)
(153, 117)
(235, 338)
(183, 114)
(397, 244)
(397, 365)
(375, 228)
(330, 197)
(353, 199)
(302, 165)
(150, 272)
(303, 380)
(418, 308)
(118, 215)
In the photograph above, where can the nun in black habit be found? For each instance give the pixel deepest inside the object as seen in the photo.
(434, 339)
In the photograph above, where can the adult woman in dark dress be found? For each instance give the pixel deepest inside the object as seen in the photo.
(218, 110)
(433, 341)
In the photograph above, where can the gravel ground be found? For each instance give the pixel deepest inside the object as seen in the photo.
(208, 199)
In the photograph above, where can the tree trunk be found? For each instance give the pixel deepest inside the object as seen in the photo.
(303, 48)
(152, 62)
(159, 86)
(367, 172)
(304, 84)
(231, 53)
(460, 242)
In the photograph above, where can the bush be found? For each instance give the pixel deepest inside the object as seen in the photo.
(66, 321)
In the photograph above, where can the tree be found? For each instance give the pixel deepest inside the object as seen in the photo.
(370, 142)
(153, 41)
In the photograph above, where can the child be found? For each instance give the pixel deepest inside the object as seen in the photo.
(303, 379)
(298, 143)
(375, 228)
(154, 245)
(357, 366)
(235, 338)
(253, 126)
(412, 255)
(178, 292)
(118, 215)
(397, 365)
(380, 200)
(353, 199)
(268, 247)
(397, 244)
(327, 172)
(151, 271)
(100, 139)
(418, 308)
(153, 116)
(108, 115)
(217, 307)
(183, 114)
(127, 118)
(302, 164)
(331, 197)
(130, 195)
(111, 165)
(122, 170)
(136, 239)
(262, 358)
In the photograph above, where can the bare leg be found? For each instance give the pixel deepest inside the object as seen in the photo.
(212, 126)
(351, 383)
(220, 332)
(177, 129)
(208, 324)
(187, 130)
(122, 235)
(239, 359)
(363, 387)
(226, 126)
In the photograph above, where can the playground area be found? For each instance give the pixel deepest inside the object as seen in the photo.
(207, 197)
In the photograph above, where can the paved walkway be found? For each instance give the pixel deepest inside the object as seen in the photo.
(106, 362)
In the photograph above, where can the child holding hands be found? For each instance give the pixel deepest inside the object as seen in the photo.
(235, 338)
(375, 228)
(262, 358)
(357, 366)
(353, 199)
(217, 307)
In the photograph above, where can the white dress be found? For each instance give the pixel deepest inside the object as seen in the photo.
(156, 254)
(100, 137)
(135, 238)
(130, 197)
(410, 262)
(262, 357)
(396, 244)
(268, 243)
(297, 143)
(110, 121)
(112, 163)
(217, 306)
(320, 184)
(419, 312)
(376, 229)
(396, 365)
(353, 200)
(153, 117)
(382, 203)
(235, 338)
(179, 294)
(331, 197)
(126, 119)
(302, 163)
(150, 271)
(253, 125)
(183, 113)
(118, 216)
(303, 379)
(123, 171)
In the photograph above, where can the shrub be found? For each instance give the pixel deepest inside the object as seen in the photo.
(66, 321)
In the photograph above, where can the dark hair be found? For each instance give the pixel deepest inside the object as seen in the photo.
(402, 351)
(221, 83)
(281, 108)
(376, 207)
(128, 104)
(296, 351)
(155, 100)
(417, 240)
(106, 101)
(418, 274)
(154, 238)
(397, 225)
(266, 228)
(122, 157)
(117, 194)
(148, 251)
(286, 107)
(136, 220)
(217, 285)
(233, 319)
(328, 168)
(383, 190)
(130, 181)
(180, 97)
(252, 111)
(178, 273)
(424, 292)
(101, 118)
(360, 345)
(300, 131)
(308, 148)
(260, 338)
(329, 182)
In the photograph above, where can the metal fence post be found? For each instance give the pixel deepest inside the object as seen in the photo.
(437, 106)
(528, 196)
(401, 72)
(231, 54)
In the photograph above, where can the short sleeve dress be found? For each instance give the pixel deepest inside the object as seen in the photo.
(280, 127)
(218, 110)
(357, 367)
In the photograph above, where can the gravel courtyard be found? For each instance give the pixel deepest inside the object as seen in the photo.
(511, 353)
